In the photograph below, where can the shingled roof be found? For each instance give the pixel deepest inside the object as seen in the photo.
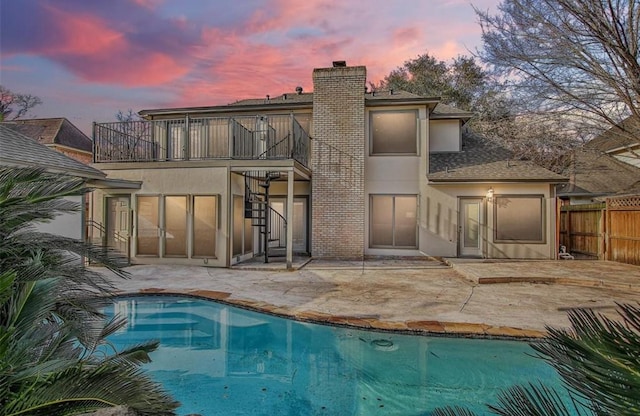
(481, 161)
(50, 131)
(292, 100)
(615, 138)
(16, 149)
(597, 174)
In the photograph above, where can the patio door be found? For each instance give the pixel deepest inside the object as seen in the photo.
(118, 223)
(470, 237)
(299, 220)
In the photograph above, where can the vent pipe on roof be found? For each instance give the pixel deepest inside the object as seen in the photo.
(268, 97)
(299, 90)
(284, 96)
(339, 64)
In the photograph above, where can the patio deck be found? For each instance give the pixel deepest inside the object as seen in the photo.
(463, 297)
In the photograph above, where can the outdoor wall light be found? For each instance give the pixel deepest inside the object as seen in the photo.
(490, 194)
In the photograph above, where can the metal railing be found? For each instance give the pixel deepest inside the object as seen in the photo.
(97, 234)
(243, 137)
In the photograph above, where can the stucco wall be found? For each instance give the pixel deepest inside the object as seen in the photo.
(439, 220)
(173, 181)
(394, 175)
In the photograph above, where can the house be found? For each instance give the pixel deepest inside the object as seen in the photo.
(18, 150)
(608, 165)
(56, 133)
(338, 173)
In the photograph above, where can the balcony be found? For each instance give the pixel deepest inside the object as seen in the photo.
(245, 137)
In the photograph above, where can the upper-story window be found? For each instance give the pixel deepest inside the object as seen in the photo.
(394, 132)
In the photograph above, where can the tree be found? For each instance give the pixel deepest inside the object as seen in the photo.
(572, 62)
(127, 116)
(599, 361)
(54, 358)
(461, 83)
(465, 84)
(15, 105)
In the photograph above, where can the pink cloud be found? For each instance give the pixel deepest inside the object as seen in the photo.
(94, 51)
(148, 4)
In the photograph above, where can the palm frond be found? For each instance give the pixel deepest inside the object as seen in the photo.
(536, 400)
(453, 411)
(51, 321)
(599, 358)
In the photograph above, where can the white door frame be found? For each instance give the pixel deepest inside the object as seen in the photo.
(471, 226)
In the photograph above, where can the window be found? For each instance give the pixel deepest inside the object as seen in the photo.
(148, 225)
(394, 132)
(242, 229)
(393, 221)
(519, 218)
(175, 226)
(205, 217)
(170, 223)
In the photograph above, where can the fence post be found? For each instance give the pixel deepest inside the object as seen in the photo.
(607, 241)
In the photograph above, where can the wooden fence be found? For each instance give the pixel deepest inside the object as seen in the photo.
(607, 231)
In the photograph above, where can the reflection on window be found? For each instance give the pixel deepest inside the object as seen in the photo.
(242, 229)
(148, 226)
(175, 208)
(204, 226)
(393, 221)
(472, 225)
(519, 218)
(394, 132)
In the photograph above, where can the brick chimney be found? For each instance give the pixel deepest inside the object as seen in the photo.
(338, 149)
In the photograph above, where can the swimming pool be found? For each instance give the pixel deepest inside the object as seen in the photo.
(221, 360)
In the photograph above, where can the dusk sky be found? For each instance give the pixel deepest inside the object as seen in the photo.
(88, 59)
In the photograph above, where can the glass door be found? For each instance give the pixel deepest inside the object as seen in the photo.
(470, 238)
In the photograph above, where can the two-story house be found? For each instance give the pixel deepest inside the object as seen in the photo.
(338, 173)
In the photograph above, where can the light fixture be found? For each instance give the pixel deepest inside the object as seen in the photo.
(490, 194)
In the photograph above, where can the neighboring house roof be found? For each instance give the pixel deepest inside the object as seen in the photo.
(293, 100)
(51, 131)
(444, 111)
(481, 161)
(614, 138)
(16, 149)
(597, 174)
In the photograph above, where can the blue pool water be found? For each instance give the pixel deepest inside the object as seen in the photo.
(220, 360)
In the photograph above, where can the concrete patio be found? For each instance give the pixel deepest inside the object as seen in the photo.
(454, 296)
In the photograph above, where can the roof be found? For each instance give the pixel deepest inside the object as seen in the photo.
(595, 173)
(290, 98)
(294, 100)
(16, 149)
(53, 131)
(616, 138)
(445, 111)
(481, 161)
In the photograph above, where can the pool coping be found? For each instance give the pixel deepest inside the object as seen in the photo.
(418, 327)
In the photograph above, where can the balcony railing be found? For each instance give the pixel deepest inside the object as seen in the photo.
(246, 137)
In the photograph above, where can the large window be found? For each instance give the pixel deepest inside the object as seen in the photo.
(175, 226)
(148, 226)
(205, 219)
(172, 221)
(394, 132)
(242, 229)
(393, 221)
(519, 218)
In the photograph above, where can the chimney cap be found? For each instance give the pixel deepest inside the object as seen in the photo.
(339, 64)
